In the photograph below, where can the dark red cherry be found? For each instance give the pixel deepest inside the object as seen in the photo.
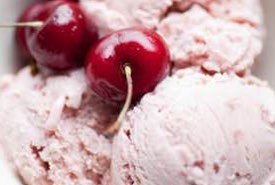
(32, 13)
(63, 39)
(143, 50)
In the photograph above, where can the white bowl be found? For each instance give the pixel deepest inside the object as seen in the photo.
(265, 67)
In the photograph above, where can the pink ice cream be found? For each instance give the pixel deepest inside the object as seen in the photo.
(5, 82)
(51, 128)
(198, 129)
(196, 38)
(151, 12)
(193, 129)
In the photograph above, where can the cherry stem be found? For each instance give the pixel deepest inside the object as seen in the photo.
(34, 24)
(33, 68)
(115, 127)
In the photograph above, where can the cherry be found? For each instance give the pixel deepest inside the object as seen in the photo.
(143, 50)
(137, 53)
(61, 41)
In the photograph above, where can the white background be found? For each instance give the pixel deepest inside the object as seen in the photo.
(265, 67)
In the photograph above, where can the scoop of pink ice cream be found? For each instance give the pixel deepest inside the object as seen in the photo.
(198, 129)
(196, 38)
(115, 14)
(51, 129)
(150, 13)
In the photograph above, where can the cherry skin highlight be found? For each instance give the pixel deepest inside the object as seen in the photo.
(143, 50)
(63, 40)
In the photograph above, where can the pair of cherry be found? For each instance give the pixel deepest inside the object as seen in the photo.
(57, 36)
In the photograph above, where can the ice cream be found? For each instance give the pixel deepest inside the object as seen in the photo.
(51, 129)
(219, 36)
(193, 129)
(198, 129)
(5, 82)
(195, 38)
(106, 18)
(150, 12)
(7, 175)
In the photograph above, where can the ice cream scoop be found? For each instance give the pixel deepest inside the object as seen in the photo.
(151, 12)
(198, 129)
(196, 38)
(51, 129)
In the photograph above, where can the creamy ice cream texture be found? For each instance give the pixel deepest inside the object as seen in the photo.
(198, 39)
(197, 129)
(193, 128)
(51, 129)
